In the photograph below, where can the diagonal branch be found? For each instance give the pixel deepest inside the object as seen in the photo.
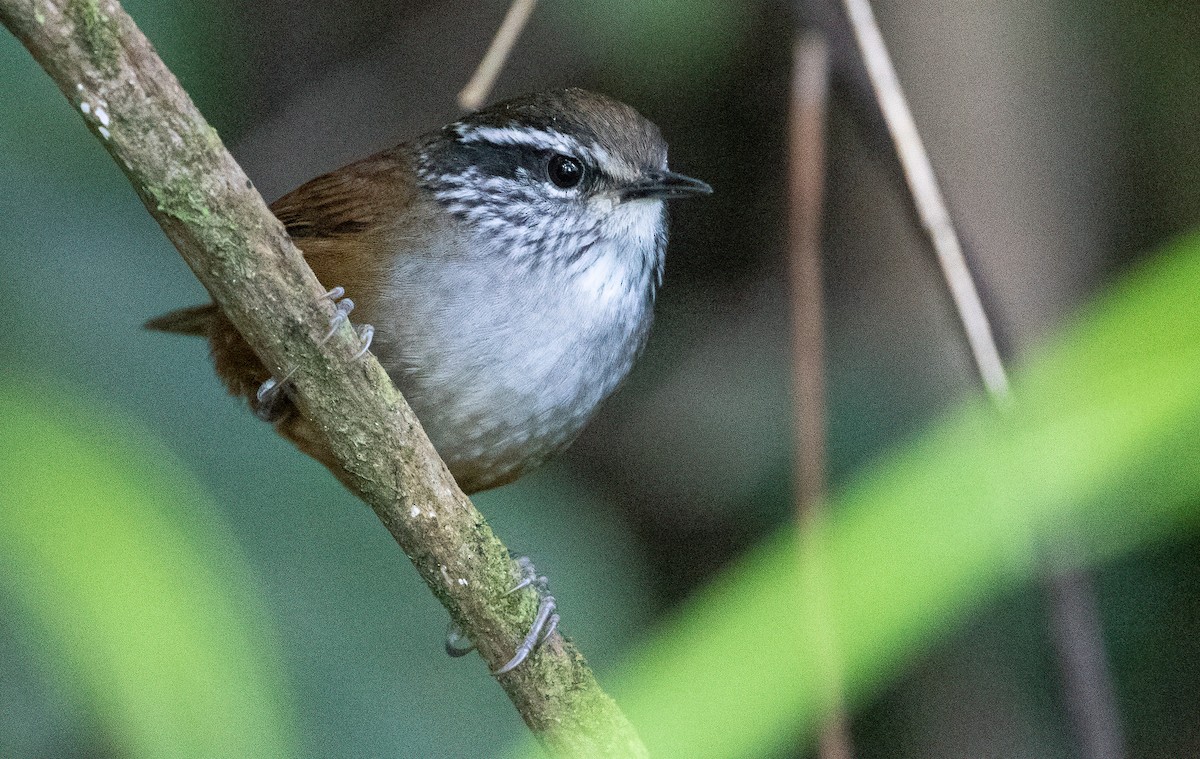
(175, 161)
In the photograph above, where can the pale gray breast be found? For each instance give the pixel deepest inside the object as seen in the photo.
(504, 364)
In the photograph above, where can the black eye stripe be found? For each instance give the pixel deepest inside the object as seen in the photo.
(508, 161)
(517, 161)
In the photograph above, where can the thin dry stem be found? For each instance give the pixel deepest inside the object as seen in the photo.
(806, 190)
(810, 88)
(1076, 624)
(479, 88)
(1076, 629)
(927, 197)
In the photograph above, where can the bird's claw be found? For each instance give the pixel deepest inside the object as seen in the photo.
(545, 622)
(544, 625)
(457, 642)
(267, 406)
(366, 333)
(341, 313)
(343, 307)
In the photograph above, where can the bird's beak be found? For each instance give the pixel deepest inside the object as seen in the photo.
(665, 185)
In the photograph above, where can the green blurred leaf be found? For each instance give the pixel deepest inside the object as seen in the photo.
(1100, 455)
(143, 608)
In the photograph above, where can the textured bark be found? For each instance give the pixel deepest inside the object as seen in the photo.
(211, 212)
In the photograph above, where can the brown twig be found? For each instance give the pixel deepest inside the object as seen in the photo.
(475, 93)
(806, 172)
(175, 161)
(1074, 619)
(1076, 630)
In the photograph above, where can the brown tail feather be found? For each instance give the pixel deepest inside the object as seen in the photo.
(242, 372)
(196, 321)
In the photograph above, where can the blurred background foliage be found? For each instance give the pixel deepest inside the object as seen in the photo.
(1064, 132)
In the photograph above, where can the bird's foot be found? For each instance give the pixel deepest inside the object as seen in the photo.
(545, 622)
(343, 307)
(269, 406)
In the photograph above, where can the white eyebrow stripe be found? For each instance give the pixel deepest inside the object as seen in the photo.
(538, 139)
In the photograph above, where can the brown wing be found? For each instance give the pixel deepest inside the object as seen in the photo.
(343, 222)
(346, 201)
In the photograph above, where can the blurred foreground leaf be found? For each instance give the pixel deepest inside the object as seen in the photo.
(103, 550)
(1100, 455)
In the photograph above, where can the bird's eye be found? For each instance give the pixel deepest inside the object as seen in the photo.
(565, 171)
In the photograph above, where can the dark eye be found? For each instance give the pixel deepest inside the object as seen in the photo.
(565, 171)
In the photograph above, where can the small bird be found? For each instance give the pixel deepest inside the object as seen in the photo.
(508, 264)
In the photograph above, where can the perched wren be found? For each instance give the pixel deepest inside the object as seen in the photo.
(508, 263)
